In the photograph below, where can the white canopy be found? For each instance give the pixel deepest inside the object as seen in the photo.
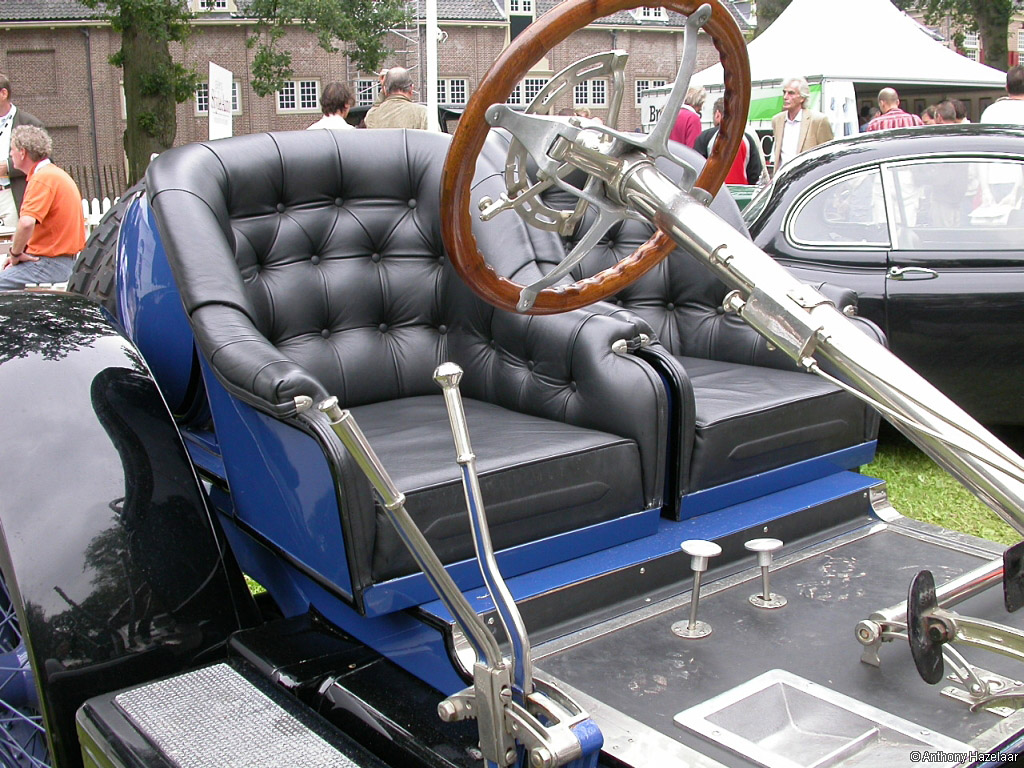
(867, 41)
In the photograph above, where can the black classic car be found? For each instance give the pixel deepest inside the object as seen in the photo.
(926, 225)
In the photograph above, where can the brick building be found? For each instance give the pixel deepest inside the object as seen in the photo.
(56, 53)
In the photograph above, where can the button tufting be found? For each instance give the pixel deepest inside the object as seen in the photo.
(572, 385)
(442, 329)
(440, 259)
(618, 302)
(326, 332)
(339, 202)
(412, 203)
(491, 344)
(375, 257)
(280, 207)
(670, 306)
(383, 327)
(529, 364)
(315, 259)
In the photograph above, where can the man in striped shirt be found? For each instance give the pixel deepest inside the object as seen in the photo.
(892, 116)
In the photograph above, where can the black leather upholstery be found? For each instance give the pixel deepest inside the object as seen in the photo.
(312, 264)
(741, 407)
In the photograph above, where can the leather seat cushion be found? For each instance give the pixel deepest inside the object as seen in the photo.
(750, 419)
(538, 477)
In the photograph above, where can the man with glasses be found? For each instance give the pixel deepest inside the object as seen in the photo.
(12, 181)
(797, 129)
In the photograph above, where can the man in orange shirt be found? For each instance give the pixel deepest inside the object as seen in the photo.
(51, 229)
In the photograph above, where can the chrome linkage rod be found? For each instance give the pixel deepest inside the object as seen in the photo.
(345, 427)
(448, 376)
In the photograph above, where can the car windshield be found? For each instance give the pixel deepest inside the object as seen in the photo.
(757, 204)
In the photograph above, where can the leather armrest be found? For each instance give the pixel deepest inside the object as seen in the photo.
(562, 367)
(248, 365)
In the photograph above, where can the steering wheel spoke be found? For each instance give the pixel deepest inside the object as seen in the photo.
(550, 142)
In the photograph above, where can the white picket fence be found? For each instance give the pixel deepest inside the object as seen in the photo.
(93, 211)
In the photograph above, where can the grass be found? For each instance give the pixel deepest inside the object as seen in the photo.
(918, 488)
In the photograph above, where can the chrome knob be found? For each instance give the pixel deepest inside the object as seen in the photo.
(765, 548)
(700, 552)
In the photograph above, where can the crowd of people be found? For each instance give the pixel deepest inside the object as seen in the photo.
(798, 128)
(41, 202)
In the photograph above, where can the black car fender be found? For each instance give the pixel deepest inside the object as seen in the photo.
(108, 549)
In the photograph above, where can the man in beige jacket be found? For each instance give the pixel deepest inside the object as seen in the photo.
(398, 110)
(797, 129)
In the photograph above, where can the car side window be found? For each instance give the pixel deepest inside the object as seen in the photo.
(953, 204)
(847, 211)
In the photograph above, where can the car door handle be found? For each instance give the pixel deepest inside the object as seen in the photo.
(911, 273)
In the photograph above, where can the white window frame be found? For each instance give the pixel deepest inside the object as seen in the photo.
(972, 44)
(524, 7)
(303, 105)
(1020, 41)
(649, 13)
(214, 6)
(447, 86)
(204, 89)
(648, 83)
(591, 93)
(367, 91)
(526, 90)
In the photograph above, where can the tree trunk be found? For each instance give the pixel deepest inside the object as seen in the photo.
(149, 98)
(993, 17)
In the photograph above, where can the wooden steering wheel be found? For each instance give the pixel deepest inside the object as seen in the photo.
(513, 64)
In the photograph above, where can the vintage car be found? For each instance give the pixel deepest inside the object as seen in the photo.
(527, 483)
(927, 226)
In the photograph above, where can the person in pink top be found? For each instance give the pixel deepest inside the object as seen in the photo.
(688, 127)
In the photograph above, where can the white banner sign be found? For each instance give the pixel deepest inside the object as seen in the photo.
(220, 102)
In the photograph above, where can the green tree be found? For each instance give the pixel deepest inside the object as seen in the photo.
(768, 11)
(153, 82)
(363, 23)
(991, 18)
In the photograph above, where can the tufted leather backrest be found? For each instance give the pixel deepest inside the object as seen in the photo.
(310, 263)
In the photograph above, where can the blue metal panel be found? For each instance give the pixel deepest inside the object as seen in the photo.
(711, 526)
(149, 305)
(281, 486)
(755, 486)
(414, 589)
(403, 639)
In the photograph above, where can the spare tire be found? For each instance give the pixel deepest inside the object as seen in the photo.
(94, 274)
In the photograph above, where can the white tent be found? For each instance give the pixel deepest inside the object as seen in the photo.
(869, 42)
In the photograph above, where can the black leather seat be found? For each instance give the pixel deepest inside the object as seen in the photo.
(312, 264)
(740, 408)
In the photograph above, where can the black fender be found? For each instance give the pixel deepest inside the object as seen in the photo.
(117, 567)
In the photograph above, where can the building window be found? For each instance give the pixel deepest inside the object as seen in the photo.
(1020, 41)
(591, 93)
(299, 96)
(646, 85)
(526, 91)
(532, 86)
(972, 42)
(206, 6)
(520, 6)
(452, 91)
(367, 92)
(203, 99)
(649, 13)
